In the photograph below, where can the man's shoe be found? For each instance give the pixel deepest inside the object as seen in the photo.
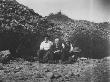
(60, 62)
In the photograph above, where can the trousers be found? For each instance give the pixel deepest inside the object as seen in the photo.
(44, 55)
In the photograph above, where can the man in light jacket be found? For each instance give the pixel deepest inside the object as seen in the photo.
(45, 49)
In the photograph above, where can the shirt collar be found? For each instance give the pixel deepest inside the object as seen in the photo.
(46, 42)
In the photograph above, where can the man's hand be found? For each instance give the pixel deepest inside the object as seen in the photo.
(73, 56)
(70, 51)
(56, 51)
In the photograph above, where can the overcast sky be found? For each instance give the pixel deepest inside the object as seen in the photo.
(92, 10)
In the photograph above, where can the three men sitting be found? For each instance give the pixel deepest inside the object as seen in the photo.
(55, 51)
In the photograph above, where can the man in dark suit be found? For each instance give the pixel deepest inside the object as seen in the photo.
(57, 50)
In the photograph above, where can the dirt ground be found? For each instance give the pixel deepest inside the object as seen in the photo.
(90, 70)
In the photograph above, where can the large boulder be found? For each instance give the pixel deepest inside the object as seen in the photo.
(4, 55)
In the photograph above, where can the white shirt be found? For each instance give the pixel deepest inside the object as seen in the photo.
(71, 49)
(46, 45)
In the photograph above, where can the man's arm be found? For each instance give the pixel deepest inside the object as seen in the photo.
(63, 46)
(41, 46)
(51, 45)
(71, 48)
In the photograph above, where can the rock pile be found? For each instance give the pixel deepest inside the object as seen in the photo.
(87, 71)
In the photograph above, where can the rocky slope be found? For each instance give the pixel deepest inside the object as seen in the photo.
(22, 30)
(92, 38)
(91, 70)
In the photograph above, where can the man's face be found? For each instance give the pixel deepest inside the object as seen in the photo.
(57, 40)
(68, 43)
(46, 39)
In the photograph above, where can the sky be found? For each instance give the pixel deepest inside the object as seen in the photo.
(91, 10)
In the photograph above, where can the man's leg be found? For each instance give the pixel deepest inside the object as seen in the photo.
(40, 54)
(55, 57)
(63, 56)
(46, 56)
(59, 57)
(50, 57)
(73, 57)
(66, 57)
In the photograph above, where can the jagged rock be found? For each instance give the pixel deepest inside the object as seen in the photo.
(57, 75)
(49, 75)
(4, 55)
(22, 30)
(83, 34)
(1, 67)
